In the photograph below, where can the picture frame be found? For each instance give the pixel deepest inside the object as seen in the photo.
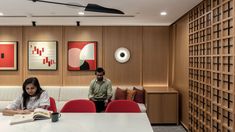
(82, 55)
(8, 55)
(42, 55)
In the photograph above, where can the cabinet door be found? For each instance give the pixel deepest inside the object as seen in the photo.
(162, 107)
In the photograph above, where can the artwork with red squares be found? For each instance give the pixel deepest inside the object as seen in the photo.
(42, 55)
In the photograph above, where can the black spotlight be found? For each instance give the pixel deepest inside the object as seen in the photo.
(34, 23)
(78, 23)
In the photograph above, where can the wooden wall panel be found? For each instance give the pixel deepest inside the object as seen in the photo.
(12, 77)
(180, 62)
(129, 73)
(154, 46)
(45, 33)
(81, 34)
(155, 55)
(172, 55)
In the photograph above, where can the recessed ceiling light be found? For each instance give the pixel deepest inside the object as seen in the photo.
(163, 13)
(1, 14)
(80, 13)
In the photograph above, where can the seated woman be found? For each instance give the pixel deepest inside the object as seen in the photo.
(33, 96)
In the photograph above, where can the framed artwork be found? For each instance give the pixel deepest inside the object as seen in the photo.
(8, 55)
(82, 55)
(42, 55)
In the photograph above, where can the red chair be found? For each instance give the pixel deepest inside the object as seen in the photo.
(81, 105)
(52, 105)
(123, 106)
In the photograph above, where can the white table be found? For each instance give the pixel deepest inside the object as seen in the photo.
(83, 122)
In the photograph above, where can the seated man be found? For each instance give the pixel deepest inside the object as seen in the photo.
(100, 90)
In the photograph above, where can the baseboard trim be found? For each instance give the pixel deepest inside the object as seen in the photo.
(184, 126)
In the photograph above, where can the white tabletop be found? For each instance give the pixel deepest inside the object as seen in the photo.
(83, 122)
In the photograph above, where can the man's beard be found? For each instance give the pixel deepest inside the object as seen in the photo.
(100, 79)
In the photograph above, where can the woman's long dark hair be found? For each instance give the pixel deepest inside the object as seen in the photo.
(25, 95)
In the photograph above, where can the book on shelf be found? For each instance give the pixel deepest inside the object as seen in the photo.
(38, 114)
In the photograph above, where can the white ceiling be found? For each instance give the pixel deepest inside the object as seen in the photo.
(137, 12)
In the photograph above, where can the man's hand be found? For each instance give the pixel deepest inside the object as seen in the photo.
(92, 99)
(106, 102)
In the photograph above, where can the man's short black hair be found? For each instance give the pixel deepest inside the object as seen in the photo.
(99, 69)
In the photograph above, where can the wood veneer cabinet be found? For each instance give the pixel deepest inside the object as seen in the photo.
(162, 105)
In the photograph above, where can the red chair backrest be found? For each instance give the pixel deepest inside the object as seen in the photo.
(123, 106)
(52, 105)
(80, 105)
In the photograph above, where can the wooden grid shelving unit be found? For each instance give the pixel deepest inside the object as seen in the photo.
(211, 66)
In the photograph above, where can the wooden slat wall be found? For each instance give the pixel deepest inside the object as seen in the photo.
(12, 77)
(148, 64)
(52, 33)
(81, 34)
(155, 55)
(129, 73)
(180, 65)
